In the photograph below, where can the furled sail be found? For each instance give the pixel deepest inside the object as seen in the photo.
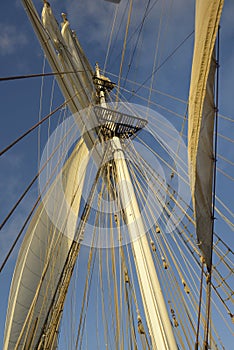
(79, 93)
(71, 60)
(201, 120)
(65, 54)
(68, 55)
(43, 254)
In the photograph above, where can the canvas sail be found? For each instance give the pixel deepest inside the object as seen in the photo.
(65, 54)
(201, 120)
(43, 254)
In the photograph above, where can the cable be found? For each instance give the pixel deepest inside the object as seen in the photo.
(162, 64)
(36, 125)
(40, 115)
(124, 48)
(137, 41)
(28, 76)
(130, 38)
(33, 181)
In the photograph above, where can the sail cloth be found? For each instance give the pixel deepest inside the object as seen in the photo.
(201, 120)
(43, 254)
(70, 58)
(65, 54)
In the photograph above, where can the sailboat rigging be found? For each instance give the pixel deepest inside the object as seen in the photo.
(113, 242)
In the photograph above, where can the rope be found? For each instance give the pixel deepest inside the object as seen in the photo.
(222, 258)
(180, 254)
(124, 48)
(19, 234)
(28, 76)
(118, 31)
(40, 114)
(137, 41)
(163, 252)
(104, 313)
(110, 39)
(166, 59)
(199, 307)
(226, 160)
(132, 35)
(33, 181)
(27, 220)
(35, 126)
(225, 174)
(147, 88)
(155, 56)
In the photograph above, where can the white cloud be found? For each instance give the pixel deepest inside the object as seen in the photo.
(11, 39)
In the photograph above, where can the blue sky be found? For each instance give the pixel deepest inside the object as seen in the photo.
(20, 54)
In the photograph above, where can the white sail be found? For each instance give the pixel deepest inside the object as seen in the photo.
(78, 95)
(80, 61)
(201, 120)
(43, 254)
(71, 60)
(65, 54)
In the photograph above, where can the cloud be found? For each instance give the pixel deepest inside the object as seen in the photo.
(11, 39)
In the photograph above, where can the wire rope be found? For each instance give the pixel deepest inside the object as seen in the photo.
(137, 40)
(35, 126)
(124, 48)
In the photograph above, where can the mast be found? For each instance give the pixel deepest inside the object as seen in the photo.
(156, 314)
(153, 301)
